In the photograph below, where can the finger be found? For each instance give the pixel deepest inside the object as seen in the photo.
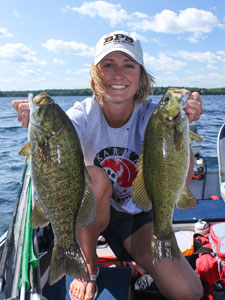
(17, 103)
(195, 96)
(193, 113)
(193, 107)
(24, 117)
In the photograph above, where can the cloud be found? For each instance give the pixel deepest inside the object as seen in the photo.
(195, 21)
(163, 62)
(207, 80)
(74, 48)
(83, 71)
(201, 57)
(19, 53)
(114, 13)
(4, 33)
(27, 72)
(192, 39)
(211, 67)
(59, 61)
(189, 20)
(17, 14)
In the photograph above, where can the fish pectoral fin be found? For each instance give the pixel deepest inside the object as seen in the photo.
(87, 212)
(186, 200)
(195, 136)
(25, 151)
(139, 193)
(38, 217)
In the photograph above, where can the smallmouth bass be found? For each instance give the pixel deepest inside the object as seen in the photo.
(61, 183)
(163, 168)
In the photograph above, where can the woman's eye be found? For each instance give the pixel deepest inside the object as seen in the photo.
(129, 66)
(108, 65)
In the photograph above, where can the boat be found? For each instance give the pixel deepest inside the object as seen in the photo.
(114, 282)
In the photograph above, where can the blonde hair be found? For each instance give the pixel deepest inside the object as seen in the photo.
(100, 87)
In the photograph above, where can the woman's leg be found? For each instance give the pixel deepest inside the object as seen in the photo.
(87, 236)
(176, 280)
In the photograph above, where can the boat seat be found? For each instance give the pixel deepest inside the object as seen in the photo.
(207, 210)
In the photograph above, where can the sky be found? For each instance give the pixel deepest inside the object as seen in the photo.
(49, 44)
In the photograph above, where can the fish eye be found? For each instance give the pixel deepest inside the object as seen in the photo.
(52, 104)
(167, 98)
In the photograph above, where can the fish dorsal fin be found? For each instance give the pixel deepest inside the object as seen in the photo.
(87, 212)
(139, 193)
(38, 217)
(195, 136)
(25, 151)
(186, 200)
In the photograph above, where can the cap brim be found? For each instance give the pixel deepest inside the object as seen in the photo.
(136, 58)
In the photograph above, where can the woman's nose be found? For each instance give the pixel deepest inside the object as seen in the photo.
(118, 71)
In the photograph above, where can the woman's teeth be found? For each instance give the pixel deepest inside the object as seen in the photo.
(118, 87)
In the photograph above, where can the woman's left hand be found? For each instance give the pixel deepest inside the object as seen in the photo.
(193, 107)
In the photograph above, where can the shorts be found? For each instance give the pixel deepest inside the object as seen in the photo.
(122, 225)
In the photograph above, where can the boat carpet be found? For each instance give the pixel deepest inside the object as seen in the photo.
(207, 210)
(113, 283)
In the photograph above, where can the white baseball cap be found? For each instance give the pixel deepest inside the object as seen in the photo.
(119, 41)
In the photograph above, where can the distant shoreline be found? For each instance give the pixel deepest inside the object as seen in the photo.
(88, 92)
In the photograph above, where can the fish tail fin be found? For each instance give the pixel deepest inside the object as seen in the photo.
(164, 248)
(67, 262)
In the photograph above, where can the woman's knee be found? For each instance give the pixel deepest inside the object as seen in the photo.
(100, 182)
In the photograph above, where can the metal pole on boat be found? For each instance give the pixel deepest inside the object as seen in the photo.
(1, 283)
(22, 291)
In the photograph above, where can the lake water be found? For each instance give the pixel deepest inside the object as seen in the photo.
(13, 137)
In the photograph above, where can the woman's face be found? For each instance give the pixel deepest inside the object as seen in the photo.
(122, 75)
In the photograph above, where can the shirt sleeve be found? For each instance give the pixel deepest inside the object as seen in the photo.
(147, 111)
(79, 119)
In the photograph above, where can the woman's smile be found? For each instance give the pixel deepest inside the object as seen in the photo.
(122, 75)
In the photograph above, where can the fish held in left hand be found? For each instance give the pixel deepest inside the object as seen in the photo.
(61, 183)
(163, 168)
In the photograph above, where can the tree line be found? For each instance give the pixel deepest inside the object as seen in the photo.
(88, 92)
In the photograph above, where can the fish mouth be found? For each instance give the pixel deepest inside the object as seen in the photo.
(42, 99)
(175, 119)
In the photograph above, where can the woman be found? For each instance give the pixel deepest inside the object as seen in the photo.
(111, 129)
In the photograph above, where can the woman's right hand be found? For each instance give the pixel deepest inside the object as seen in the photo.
(23, 111)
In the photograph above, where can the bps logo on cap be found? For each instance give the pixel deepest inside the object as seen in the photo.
(120, 41)
(118, 38)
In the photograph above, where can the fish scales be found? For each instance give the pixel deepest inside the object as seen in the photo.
(61, 183)
(163, 168)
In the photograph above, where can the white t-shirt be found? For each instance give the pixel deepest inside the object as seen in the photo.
(116, 150)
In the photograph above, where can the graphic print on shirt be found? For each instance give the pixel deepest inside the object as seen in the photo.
(120, 165)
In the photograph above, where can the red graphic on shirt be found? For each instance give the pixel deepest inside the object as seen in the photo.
(123, 173)
(120, 166)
